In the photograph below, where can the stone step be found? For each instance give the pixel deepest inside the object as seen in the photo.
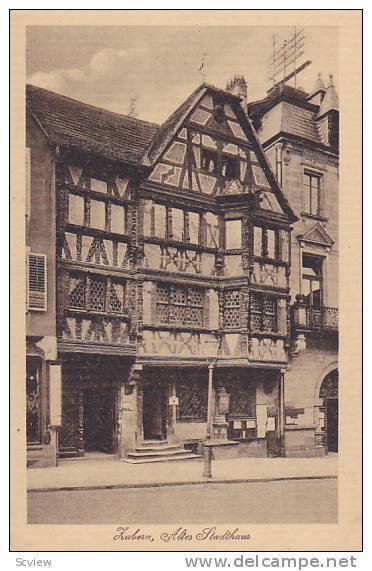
(158, 452)
(145, 460)
(153, 448)
(154, 443)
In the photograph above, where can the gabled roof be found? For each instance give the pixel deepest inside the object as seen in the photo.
(317, 235)
(168, 129)
(70, 122)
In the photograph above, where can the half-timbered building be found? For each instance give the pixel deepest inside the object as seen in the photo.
(160, 239)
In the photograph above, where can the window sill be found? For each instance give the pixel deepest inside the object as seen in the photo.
(267, 334)
(76, 312)
(167, 327)
(171, 243)
(314, 216)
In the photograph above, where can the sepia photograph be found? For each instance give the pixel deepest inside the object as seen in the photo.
(181, 238)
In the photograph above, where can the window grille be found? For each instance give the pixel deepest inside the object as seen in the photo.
(162, 303)
(97, 294)
(116, 298)
(232, 309)
(76, 293)
(179, 306)
(37, 284)
(263, 313)
(193, 400)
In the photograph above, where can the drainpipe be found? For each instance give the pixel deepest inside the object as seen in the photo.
(281, 412)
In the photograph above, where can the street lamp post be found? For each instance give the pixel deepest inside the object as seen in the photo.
(211, 350)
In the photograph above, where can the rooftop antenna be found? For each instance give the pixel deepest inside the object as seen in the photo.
(284, 63)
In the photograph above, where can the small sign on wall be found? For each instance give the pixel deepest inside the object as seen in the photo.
(173, 401)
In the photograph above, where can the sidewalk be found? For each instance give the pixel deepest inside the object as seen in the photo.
(102, 471)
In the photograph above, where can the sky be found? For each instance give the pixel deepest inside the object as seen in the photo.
(152, 70)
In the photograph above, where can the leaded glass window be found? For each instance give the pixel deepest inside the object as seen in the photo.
(76, 293)
(193, 400)
(232, 309)
(182, 306)
(97, 294)
(263, 313)
(116, 298)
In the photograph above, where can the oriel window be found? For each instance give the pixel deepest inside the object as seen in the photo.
(312, 184)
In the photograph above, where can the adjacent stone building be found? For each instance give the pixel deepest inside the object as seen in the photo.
(300, 133)
(156, 240)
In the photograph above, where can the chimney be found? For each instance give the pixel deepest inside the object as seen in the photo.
(238, 86)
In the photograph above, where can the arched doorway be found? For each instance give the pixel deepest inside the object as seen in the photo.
(329, 394)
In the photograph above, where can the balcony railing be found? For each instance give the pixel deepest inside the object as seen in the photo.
(323, 319)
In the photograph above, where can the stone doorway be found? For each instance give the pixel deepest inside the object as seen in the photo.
(329, 394)
(154, 409)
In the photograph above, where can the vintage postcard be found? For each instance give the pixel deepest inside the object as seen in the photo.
(186, 323)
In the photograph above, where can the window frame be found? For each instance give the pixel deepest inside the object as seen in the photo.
(231, 306)
(172, 303)
(241, 234)
(264, 243)
(307, 188)
(263, 314)
(313, 279)
(100, 198)
(87, 308)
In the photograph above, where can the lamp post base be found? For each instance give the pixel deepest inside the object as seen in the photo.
(207, 467)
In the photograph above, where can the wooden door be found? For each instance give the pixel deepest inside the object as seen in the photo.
(154, 413)
(99, 419)
(332, 425)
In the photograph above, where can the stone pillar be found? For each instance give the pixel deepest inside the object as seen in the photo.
(222, 407)
(261, 411)
(172, 411)
(130, 430)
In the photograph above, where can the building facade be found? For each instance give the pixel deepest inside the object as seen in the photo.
(156, 240)
(299, 133)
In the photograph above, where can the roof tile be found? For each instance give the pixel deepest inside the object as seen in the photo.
(95, 130)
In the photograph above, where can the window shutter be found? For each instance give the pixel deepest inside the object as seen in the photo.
(37, 286)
